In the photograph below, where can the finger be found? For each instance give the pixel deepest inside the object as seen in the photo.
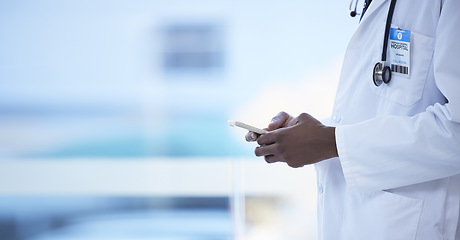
(265, 150)
(271, 159)
(279, 121)
(267, 138)
(252, 136)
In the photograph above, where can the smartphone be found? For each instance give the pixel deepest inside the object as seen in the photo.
(246, 126)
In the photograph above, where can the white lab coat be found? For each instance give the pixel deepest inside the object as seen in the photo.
(398, 171)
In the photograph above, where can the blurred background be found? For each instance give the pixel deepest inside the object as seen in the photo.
(113, 116)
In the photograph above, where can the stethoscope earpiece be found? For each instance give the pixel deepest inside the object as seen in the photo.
(352, 8)
(381, 74)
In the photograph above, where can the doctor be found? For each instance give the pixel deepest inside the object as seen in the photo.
(388, 162)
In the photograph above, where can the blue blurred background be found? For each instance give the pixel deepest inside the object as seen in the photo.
(147, 80)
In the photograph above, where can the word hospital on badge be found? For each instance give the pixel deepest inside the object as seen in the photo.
(400, 51)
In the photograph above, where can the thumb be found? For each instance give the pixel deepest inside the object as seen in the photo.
(304, 118)
(279, 121)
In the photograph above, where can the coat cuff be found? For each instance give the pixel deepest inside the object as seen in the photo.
(347, 164)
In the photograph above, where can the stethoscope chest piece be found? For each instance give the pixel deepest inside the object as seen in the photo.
(381, 74)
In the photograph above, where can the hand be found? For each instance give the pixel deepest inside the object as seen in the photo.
(281, 120)
(303, 140)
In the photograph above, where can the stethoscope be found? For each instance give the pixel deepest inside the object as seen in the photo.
(382, 71)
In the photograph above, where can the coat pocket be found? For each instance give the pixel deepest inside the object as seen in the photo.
(408, 90)
(381, 216)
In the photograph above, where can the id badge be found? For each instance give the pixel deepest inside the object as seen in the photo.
(400, 51)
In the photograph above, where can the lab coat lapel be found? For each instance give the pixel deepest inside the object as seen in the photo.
(375, 4)
(361, 29)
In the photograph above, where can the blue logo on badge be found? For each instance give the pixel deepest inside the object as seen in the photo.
(400, 35)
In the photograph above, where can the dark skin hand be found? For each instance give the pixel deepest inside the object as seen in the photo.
(296, 141)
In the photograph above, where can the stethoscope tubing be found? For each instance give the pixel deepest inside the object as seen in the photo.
(387, 29)
(381, 72)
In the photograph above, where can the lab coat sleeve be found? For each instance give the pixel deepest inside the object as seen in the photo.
(394, 151)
